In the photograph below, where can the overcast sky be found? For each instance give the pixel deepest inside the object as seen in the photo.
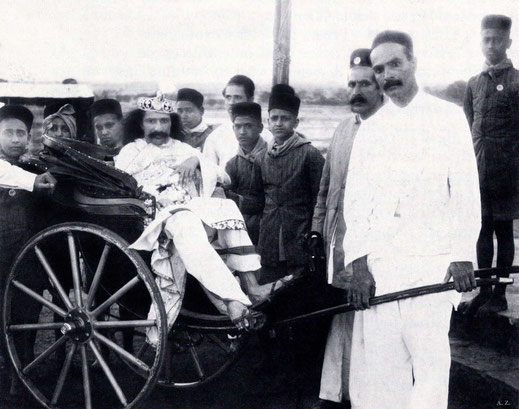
(175, 42)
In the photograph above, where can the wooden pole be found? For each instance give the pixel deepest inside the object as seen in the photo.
(280, 71)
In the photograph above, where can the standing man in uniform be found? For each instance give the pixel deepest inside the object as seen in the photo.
(412, 211)
(492, 109)
(190, 109)
(365, 98)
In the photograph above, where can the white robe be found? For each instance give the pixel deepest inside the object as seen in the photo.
(187, 222)
(412, 206)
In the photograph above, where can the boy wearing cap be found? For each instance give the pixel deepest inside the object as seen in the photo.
(107, 115)
(190, 109)
(288, 176)
(17, 204)
(16, 184)
(492, 109)
(247, 129)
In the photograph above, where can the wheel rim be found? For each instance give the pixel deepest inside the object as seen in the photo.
(55, 299)
(193, 357)
(197, 358)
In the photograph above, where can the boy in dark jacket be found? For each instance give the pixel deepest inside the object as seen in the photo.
(288, 176)
(247, 126)
(492, 109)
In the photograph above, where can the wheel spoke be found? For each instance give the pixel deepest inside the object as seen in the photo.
(118, 294)
(142, 350)
(125, 324)
(121, 351)
(75, 269)
(97, 276)
(39, 298)
(63, 374)
(194, 355)
(86, 377)
(108, 373)
(219, 343)
(40, 358)
(54, 280)
(35, 327)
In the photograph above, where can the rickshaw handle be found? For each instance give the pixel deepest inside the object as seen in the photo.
(412, 292)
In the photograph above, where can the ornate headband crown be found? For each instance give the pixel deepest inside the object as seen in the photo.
(157, 104)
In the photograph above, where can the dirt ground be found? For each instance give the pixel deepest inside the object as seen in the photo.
(249, 386)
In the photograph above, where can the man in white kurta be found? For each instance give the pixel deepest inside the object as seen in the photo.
(413, 215)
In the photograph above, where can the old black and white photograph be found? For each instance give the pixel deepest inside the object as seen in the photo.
(245, 204)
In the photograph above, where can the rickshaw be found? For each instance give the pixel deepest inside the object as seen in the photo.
(76, 300)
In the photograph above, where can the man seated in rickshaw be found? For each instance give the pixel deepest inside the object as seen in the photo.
(191, 222)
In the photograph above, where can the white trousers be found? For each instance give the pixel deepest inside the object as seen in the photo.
(203, 262)
(335, 376)
(400, 356)
(192, 252)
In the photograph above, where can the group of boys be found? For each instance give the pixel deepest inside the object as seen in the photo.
(397, 202)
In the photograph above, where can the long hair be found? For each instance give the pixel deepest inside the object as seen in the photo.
(132, 126)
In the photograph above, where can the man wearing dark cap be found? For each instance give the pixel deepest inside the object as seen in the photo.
(492, 109)
(190, 109)
(222, 145)
(247, 129)
(365, 97)
(18, 215)
(288, 175)
(412, 211)
(106, 116)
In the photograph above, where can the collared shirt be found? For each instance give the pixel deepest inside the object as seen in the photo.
(277, 146)
(412, 184)
(201, 127)
(14, 177)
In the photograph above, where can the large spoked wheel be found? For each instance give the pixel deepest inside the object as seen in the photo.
(201, 346)
(71, 287)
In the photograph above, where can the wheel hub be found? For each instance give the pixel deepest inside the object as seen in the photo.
(77, 326)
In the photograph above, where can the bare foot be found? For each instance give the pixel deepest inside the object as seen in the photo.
(471, 307)
(495, 304)
(237, 313)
